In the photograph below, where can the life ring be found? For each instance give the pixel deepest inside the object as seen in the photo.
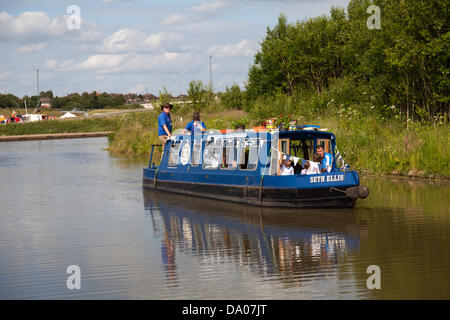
(185, 154)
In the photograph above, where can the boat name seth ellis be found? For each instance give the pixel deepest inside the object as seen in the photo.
(331, 178)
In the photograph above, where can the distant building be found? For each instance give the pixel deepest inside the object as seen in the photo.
(150, 98)
(182, 97)
(130, 98)
(46, 102)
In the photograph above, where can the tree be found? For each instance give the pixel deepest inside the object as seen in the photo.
(46, 94)
(10, 101)
(199, 94)
(405, 64)
(233, 97)
(164, 96)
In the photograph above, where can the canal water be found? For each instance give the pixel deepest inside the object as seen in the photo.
(68, 202)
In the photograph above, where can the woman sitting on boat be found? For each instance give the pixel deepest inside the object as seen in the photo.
(314, 165)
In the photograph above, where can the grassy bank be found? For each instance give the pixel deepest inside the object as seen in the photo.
(81, 124)
(59, 126)
(368, 141)
(389, 147)
(372, 139)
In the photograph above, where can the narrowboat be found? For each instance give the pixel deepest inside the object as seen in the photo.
(244, 166)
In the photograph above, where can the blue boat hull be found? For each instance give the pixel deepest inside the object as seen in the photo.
(312, 191)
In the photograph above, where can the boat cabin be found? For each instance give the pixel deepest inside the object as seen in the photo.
(244, 152)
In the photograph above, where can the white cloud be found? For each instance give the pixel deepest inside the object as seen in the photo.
(171, 62)
(132, 40)
(209, 8)
(175, 19)
(123, 40)
(244, 48)
(203, 11)
(101, 61)
(32, 47)
(67, 64)
(51, 63)
(34, 26)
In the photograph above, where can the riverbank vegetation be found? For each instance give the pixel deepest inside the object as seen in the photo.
(404, 64)
(60, 126)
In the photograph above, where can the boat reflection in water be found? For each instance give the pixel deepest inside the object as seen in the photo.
(286, 244)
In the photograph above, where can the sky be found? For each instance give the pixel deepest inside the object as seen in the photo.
(136, 46)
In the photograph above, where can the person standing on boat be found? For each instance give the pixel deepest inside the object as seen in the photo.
(165, 124)
(326, 159)
(196, 126)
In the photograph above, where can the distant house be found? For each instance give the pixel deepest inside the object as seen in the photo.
(182, 97)
(150, 97)
(130, 98)
(46, 102)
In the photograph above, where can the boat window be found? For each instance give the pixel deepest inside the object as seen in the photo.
(229, 154)
(197, 153)
(211, 156)
(284, 147)
(303, 149)
(249, 152)
(174, 153)
(274, 155)
(325, 143)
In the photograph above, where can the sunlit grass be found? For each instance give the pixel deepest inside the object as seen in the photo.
(368, 142)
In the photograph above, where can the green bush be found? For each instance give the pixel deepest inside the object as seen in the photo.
(233, 97)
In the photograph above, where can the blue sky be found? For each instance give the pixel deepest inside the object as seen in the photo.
(135, 45)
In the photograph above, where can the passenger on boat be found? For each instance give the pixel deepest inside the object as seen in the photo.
(165, 124)
(214, 161)
(196, 126)
(314, 165)
(240, 127)
(305, 168)
(326, 159)
(285, 167)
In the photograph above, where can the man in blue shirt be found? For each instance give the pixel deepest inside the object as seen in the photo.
(326, 162)
(196, 126)
(165, 124)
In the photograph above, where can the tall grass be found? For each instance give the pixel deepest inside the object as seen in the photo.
(373, 142)
(59, 126)
(381, 141)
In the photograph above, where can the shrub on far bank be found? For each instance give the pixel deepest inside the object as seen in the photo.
(233, 97)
